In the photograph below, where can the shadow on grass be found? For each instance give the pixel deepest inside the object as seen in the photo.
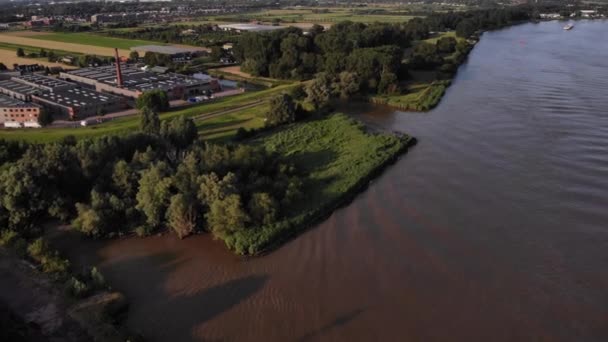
(215, 125)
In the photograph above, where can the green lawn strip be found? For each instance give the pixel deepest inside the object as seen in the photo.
(95, 40)
(339, 156)
(223, 128)
(128, 124)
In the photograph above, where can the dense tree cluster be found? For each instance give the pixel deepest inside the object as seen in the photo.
(347, 46)
(368, 57)
(144, 182)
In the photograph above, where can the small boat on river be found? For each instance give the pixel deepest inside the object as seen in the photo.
(569, 27)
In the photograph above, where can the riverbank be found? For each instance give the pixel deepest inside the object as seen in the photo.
(341, 158)
(39, 308)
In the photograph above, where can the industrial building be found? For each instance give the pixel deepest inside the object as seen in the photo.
(16, 112)
(128, 80)
(43, 82)
(17, 90)
(63, 99)
(78, 103)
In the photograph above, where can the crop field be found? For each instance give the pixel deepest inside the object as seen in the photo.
(93, 40)
(332, 15)
(40, 41)
(9, 57)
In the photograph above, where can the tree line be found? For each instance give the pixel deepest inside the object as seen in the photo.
(374, 52)
(162, 177)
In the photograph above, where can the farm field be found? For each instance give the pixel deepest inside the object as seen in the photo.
(38, 42)
(94, 40)
(9, 57)
(333, 15)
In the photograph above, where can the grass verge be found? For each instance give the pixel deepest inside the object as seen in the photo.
(339, 156)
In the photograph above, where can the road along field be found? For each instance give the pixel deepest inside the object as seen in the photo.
(52, 45)
(9, 57)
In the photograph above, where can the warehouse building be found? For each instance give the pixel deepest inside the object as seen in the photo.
(78, 103)
(16, 113)
(128, 80)
(17, 90)
(43, 82)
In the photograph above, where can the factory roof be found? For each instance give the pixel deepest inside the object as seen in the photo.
(78, 97)
(167, 49)
(250, 27)
(43, 81)
(136, 79)
(18, 87)
(6, 101)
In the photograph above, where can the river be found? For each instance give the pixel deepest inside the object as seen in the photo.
(493, 228)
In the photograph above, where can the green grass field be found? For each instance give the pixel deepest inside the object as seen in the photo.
(224, 127)
(339, 157)
(95, 40)
(128, 124)
(334, 15)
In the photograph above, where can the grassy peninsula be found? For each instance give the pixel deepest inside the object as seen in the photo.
(340, 158)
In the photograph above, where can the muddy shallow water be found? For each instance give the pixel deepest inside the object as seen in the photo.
(494, 227)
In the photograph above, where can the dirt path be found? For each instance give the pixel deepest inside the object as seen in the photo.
(51, 45)
(9, 57)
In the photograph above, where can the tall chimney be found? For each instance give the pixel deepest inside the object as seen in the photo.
(118, 72)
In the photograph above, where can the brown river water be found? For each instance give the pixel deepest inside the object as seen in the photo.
(493, 228)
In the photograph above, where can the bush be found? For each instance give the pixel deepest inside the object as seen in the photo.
(98, 280)
(11, 239)
(77, 288)
(50, 261)
(8, 237)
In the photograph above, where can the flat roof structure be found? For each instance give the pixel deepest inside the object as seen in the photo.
(18, 87)
(168, 50)
(6, 102)
(43, 82)
(136, 79)
(250, 27)
(78, 97)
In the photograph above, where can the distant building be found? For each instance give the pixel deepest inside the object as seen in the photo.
(16, 111)
(588, 13)
(239, 28)
(550, 16)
